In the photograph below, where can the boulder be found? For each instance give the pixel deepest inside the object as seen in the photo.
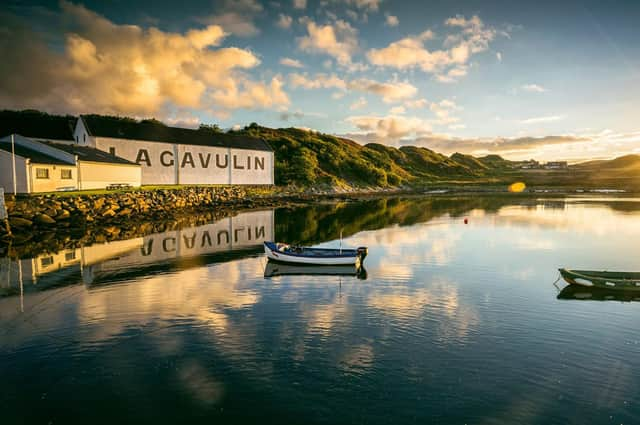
(44, 219)
(63, 215)
(109, 213)
(20, 222)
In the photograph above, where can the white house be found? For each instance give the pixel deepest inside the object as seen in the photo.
(47, 167)
(171, 155)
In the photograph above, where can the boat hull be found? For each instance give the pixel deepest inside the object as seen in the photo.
(348, 257)
(602, 279)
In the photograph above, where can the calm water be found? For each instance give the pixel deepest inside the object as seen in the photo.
(453, 323)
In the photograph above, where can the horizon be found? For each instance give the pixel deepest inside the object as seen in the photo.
(554, 82)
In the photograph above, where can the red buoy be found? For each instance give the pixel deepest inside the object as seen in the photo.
(466, 221)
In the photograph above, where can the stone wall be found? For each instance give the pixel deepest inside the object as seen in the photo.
(34, 213)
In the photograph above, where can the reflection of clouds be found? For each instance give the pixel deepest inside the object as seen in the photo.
(438, 301)
(198, 382)
(358, 358)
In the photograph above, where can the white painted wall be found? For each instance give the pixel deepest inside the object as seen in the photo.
(166, 163)
(6, 173)
(98, 175)
(81, 136)
(153, 171)
(55, 181)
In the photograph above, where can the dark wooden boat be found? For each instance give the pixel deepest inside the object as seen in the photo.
(602, 279)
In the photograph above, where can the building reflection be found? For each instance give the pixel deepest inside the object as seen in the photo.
(103, 262)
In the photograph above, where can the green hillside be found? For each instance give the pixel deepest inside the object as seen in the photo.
(310, 158)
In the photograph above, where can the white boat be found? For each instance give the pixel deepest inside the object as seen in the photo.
(285, 253)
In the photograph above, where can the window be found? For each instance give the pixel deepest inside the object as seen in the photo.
(84, 137)
(46, 261)
(70, 255)
(65, 174)
(42, 173)
(112, 151)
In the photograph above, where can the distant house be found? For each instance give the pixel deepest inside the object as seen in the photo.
(47, 167)
(556, 165)
(530, 164)
(172, 155)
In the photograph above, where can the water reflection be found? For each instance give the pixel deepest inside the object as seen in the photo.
(453, 324)
(279, 269)
(583, 293)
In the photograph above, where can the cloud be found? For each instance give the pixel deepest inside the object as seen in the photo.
(284, 21)
(294, 63)
(499, 56)
(538, 120)
(366, 5)
(447, 64)
(397, 110)
(338, 40)
(124, 69)
(237, 17)
(533, 88)
(299, 4)
(390, 91)
(319, 81)
(416, 104)
(358, 104)
(389, 129)
(391, 20)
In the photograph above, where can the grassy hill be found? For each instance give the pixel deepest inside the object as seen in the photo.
(309, 158)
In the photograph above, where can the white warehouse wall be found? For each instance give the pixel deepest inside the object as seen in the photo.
(98, 175)
(6, 173)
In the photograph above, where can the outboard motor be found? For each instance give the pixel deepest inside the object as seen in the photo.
(362, 252)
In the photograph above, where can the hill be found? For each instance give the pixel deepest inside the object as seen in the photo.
(311, 158)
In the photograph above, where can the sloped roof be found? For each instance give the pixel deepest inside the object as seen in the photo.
(36, 124)
(123, 128)
(85, 153)
(33, 155)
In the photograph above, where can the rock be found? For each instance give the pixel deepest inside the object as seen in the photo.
(51, 212)
(109, 213)
(44, 219)
(125, 212)
(20, 222)
(63, 215)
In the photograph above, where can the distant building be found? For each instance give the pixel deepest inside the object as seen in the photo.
(530, 164)
(48, 167)
(556, 165)
(171, 155)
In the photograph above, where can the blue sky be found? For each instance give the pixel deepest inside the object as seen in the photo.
(537, 79)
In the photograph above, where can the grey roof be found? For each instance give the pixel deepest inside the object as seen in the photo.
(85, 153)
(33, 155)
(124, 128)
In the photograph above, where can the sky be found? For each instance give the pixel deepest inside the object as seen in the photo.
(540, 79)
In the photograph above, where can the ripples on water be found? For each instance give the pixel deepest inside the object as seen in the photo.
(454, 323)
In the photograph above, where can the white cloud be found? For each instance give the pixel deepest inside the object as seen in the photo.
(299, 4)
(358, 104)
(390, 128)
(390, 91)
(338, 40)
(416, 104)
(319, 81)
(294, 63)
(284, 21)
(125, 69)
(499, 56)
(397, 110)
(366, 5)
(237, 17)
(533, 88)
(449, 63)
(391, 20)
(538, 120)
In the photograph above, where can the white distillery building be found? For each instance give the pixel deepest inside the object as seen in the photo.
(31, 166)
(171, 155)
